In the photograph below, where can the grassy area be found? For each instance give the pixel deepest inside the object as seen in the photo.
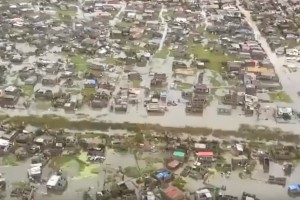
(112, 61)
(88, 94)
(136, 83)
(61, 161)
(88, 91)
(163, 53)
(214, 80)
(43, 105)
(134, 47)
(70, 12)
(135, 172)
(291, 43)
(28, 90)
(211, 36)
(201, 28)
(85, 169)
(10, 160)
(184, 86)
(80, 62)
(215, 58)
(66, 14)
(132, 172)
(124, 24)
(206, 34)
(280, 96)
(73, 91)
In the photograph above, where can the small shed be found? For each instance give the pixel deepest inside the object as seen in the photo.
(205, 154)
(179, 155)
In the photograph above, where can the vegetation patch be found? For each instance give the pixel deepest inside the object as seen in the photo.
(65, 13)
(80, 62)
(184, 86)
(291, 43)
(214, 58)
(28, 90)
(73, 91)
(124, 24)
(201, 28)
(179, 182)
(43, 105)
(10, 160)
(214, 81)
(135, 172)
(112, 61)
(208, 35)
(281, 96)
(245, 131)
(88, 94)
(78, 161)
(136, 83)
(163, 53)
(62, 161)
(132, 172)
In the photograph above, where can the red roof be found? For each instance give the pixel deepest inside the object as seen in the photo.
(173, 164)
(205, 154)
(173, 193)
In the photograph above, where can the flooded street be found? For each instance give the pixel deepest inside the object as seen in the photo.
(235, 186)
(137, 113)
(84, 175)
(71, 65)
(92, 177)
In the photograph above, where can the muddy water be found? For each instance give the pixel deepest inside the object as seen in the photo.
(264, 191)
(209, 118)
(77, 184)
(235, 186)
(114, 159)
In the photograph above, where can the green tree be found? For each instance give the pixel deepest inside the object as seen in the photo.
(179, 182)
(139, 138)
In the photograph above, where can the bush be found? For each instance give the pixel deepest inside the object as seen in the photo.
(132, 172)
(179, 182)
(139, 138)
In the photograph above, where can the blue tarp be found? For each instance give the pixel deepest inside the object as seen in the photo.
(162, 175)
(294, 187)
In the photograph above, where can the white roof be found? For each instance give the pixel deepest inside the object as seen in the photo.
(239, 147)
(150, 196)
(180, 19)
(206, 192)
(10, 88)
(35, 171)
(36, 165)
(200, 145)
(39, 140)
(53, 180)
(4, 143)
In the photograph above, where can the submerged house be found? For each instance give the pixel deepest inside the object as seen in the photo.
(57, 183)
(158, 80)
(9, 96)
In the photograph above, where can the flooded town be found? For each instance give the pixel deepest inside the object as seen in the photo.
(149, 100)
